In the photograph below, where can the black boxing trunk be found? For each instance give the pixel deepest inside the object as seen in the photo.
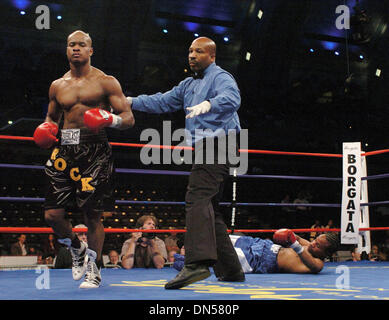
(80, 172)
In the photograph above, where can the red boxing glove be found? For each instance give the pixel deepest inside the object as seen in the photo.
(97, 119)
(284, 237)
(287, 238)
(45, 135)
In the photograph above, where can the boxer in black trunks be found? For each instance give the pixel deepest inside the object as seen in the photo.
(80, 168)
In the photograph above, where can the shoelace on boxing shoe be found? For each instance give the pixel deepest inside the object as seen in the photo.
(92, 273)
(78, 259)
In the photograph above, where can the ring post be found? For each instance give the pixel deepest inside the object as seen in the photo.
(351, 193)
(364, 241)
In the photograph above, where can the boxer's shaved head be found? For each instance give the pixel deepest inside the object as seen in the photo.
(79, 47)
(79, 33)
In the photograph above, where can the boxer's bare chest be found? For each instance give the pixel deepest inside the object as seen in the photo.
(73, 92)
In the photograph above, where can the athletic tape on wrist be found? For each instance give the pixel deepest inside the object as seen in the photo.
(297, 247)
(116, 121)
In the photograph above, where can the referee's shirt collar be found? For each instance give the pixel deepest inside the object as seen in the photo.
(201, 74)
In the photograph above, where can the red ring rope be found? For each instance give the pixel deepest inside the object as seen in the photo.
(141, 145)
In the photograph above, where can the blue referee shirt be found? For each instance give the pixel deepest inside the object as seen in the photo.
(217, 85)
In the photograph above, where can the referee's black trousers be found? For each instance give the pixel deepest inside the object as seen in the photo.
(206, 238)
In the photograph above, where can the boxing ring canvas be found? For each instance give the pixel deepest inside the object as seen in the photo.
(363, 280)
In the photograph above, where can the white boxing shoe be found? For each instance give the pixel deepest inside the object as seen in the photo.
(80, 261)
(92, 275)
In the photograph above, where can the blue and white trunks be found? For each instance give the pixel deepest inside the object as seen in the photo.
(256, 255)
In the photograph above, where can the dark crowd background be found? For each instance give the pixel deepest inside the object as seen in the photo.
(306, 86)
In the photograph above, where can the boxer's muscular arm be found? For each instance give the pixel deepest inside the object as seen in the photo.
(304, 262)
(45, 134)
(295, 258)
(315, 265)
(302, 241)
(54, 111)
(120, 105)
